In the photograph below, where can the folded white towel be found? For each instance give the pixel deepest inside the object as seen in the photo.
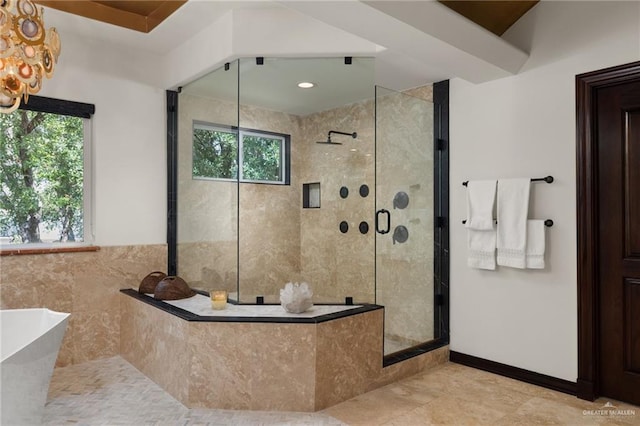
(481, 248)
(513, 207)
(535, 244)
(481, 195)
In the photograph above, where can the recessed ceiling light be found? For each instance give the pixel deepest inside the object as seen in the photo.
(306, 85)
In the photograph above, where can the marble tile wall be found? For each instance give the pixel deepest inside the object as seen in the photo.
(410, 367)
(262, 366)
(404, 160)
(249, 366)
(252, 366)
(268, 239)
(338, 265)
(155, 344)
(85, 284)
(209, 265)
(349, 357)
(280, 242)
(207, 219)
(422, 92)
(270, 215)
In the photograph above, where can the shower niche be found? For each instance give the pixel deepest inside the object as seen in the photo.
(311, 195)
(276, 183)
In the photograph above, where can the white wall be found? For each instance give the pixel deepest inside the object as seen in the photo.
(129, 137)
(524, 126)
(275, 32)
(127, 86)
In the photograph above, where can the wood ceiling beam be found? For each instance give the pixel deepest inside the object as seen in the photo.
(495, 16)
(143, 16)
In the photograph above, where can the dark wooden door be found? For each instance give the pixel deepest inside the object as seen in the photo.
(618, 171)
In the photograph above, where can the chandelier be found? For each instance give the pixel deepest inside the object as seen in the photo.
(27, 52)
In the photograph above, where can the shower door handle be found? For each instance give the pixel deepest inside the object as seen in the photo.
(385, 212)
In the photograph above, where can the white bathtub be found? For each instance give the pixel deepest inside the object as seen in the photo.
(29, 346)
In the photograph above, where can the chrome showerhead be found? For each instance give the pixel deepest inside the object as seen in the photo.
(329, 142)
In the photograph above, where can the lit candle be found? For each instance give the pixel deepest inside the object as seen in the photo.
(218, 299)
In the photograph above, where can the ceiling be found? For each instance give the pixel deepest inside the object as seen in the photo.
(273, 85)
(413, 42)
(145, 15)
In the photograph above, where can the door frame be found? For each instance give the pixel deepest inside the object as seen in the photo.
(588, 383)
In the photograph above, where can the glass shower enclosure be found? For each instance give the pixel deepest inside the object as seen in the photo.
(331, 185)
(405, 217)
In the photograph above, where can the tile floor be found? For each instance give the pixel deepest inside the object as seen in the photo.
(112, 392)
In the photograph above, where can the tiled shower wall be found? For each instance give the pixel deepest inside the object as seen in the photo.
(404, 271)
(339, 264)
(87, 285)
(279, 241)
(269, 234)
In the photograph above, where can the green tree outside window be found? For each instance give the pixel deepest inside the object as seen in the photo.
(42, 170)
(262, 157)
(215, 155)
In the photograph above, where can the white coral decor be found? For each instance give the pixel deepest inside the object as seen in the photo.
(296, 298)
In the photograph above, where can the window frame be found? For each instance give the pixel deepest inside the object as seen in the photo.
(239, 132)
(84, 111)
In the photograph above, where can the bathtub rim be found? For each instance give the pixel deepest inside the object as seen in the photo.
(60, 317)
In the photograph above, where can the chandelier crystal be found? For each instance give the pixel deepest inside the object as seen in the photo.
(27, 52)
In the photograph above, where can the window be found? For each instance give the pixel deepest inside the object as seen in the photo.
(220, 152)
(45, 174)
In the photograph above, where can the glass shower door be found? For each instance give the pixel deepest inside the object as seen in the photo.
(404, 218)
(207, 201)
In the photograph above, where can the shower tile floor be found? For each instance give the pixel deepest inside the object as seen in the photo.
(112, 392)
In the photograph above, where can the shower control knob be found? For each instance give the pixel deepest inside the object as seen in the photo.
(364, 227)
(344, 227)
(400, 234)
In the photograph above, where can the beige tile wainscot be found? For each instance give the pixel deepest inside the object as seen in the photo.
(245, 364)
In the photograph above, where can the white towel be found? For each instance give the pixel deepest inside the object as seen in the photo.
(481, 196)
(481, 248)
(481, 232)
(535, 244)
(513, 207)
